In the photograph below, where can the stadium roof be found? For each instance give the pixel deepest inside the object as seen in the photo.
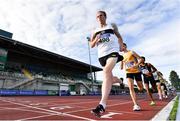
(19, 47)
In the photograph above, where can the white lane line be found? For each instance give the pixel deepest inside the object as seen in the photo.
(122, 100)
(73, 111)
(57, 102)
(57, 113)
(109, 115)
(92, 108)
(126, 112)
(27, 110)
(107, 106)
(49, 101)
(79, 102)
(67, 103)
(124, 103)
(77, 106)
(5, 104)
(54, 105)
(35, 117)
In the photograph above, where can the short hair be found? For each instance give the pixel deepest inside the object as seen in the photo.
(103, 13)
(122, 79)
(143, 58)
(124, 44)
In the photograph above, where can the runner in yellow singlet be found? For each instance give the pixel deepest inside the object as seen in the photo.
(131, 62)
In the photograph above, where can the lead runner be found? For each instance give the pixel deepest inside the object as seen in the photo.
(108, 41)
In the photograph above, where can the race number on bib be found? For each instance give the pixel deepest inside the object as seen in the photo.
(129, 65)
(104, 38)
(145, 71)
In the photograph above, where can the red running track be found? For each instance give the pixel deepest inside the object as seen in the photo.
(76, 108)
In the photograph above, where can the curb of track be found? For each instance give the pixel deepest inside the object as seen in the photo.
(163, 114)
(178, 111)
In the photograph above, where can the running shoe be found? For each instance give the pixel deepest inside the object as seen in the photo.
(136, 108)
(98, 111)
(152, 103)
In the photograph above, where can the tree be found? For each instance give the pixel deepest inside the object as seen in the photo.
(174, 78)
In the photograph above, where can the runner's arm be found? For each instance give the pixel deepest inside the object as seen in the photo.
(138, 58)
(160, 77)
(153, 68)
(116, 32)
(159, 74)
(121, 65)
(94, 39)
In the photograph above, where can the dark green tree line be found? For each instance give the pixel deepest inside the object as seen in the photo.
(174, 79)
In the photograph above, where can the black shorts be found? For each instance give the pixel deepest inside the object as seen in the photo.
(149, 79)
(136, 76)
(103, 60)
(157, 81)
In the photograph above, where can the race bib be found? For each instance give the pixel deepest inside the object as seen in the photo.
(145, 71)
(155, 76)
(104, 38)
(129, 65)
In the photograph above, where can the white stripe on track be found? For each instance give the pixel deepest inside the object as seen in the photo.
(57, 113)
(24, 119)
(107, 106)
(20, 109)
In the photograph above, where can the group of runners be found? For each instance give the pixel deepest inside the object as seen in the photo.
(110, 43)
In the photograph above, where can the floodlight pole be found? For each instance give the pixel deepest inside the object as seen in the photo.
(59, 89)
(88, 38)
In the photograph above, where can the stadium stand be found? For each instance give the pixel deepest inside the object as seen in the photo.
(28, 68)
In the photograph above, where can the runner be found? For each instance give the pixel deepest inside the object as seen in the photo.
(131, 61)
(163, 85)
(158, 84)
(148, 69)
(122, 85)
(108, 40)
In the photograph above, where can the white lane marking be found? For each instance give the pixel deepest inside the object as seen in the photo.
(64, 102)
(36, 104)
(90, 101)
(86, 108)
(69, 103)
(61, 107)
(126, 112)
(49, 101)
(110, 114)
(24, 119)
(27, 110)
(107, 106)
(57, 113)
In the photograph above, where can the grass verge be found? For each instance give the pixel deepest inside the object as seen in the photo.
(173, 113)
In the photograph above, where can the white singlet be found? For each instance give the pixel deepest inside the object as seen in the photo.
(108, 41)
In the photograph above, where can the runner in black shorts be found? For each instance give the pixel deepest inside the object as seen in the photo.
(131, 62)
(108, 41)
(146, 69)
